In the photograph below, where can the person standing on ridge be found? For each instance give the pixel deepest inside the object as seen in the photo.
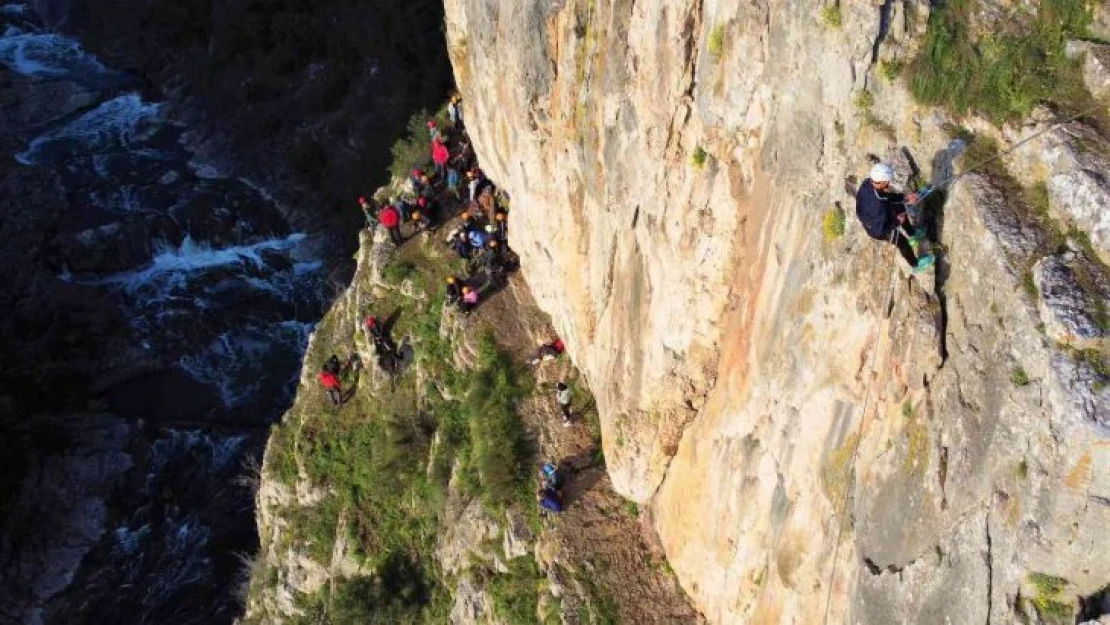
(882, 212)
(501, 225)
(391, 219)
(563, 398)
(454, 111)
(440, 156)
(367, 211)
(453, 182)
(420, 222)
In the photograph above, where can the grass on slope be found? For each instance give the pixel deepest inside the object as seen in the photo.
(1008, 69)
(385, 458)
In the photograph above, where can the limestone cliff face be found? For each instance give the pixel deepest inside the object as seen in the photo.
(670, 165)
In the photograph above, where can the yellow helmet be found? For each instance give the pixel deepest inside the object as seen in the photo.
(493, 243)
(415, 215)
(466, 289)
(450, 279)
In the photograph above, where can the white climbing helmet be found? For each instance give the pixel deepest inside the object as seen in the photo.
(882, 172)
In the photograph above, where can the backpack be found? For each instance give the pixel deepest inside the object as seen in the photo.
(550, 475)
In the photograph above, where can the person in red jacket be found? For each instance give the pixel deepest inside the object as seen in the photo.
(548, 351)
(440, 156)
(391, 219)
(331, 384)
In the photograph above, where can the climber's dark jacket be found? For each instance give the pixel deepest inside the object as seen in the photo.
(878, 210)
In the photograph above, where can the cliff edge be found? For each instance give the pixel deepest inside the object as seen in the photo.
(816, 434)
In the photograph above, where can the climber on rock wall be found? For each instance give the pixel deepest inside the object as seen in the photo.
(882, 212)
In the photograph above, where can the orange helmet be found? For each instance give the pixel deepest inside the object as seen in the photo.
(466, 289)
(465, 215)
(493, 243)
(415, 215)
(499, 216)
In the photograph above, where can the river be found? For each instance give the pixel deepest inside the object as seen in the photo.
(220, 294)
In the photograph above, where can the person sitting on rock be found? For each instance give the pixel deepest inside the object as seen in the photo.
(454, 290)
(469, 300)
(550, 477)
(469, 221)
(420, 222)
(377, 331)
(330, 381)
(415, 180)
(550, 500)
(882, 212)
(494, 263)
(548, 351)
(458, 243)
(391, 219)
(428, 208)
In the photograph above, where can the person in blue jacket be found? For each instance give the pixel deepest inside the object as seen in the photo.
(881, 211)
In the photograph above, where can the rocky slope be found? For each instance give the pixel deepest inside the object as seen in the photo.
(414, 501)
(808, 451)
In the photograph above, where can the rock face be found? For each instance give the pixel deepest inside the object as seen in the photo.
(803, 452)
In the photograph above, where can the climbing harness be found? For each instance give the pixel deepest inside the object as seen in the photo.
(956, 146)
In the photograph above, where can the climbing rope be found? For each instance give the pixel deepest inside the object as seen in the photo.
(859, 431)
(958, 144)
(955, 146)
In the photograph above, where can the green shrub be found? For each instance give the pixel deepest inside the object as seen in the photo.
(717, 41)
(1048, 599)
(699, 157)
(833, 224)
(1018, 377)
(413, 148)
(1029, 283)
(502, 453)
(395, 271)
(516, 594)
(1004, 74)
(832, 17)
(865, 100)
(890, 69)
